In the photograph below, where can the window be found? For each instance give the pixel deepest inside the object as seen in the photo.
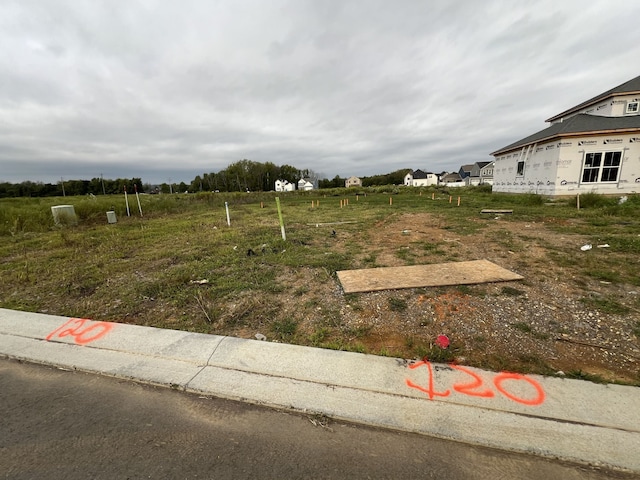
(633, 107)
(611, 166)
(520, 171)
(597, 170)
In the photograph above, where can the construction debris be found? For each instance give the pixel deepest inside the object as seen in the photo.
(416, 276)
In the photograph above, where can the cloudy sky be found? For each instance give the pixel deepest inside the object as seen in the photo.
(173, 89)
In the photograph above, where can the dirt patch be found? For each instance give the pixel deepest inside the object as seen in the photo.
(540, 324)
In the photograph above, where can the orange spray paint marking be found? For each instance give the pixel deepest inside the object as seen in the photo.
(476, 387)
(431, 390)
(497, 381)
(81, 334)
(469, 388)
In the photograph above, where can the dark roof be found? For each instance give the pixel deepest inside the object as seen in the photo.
(420, 174)
(578, 124)
(630, 87)
(482, 164)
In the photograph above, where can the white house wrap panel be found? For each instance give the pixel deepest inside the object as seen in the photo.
(593, 147)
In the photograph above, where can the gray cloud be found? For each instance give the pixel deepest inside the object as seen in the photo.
(164, 89)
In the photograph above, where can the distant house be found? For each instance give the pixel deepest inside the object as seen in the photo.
(353, 182)
(481, 172)
(284, 186)
(591, 147)
(305, 184)
(419, 178)
(465, 171)
(452, 180)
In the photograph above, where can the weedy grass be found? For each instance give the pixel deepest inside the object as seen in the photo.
(607, 304)
(180, 265)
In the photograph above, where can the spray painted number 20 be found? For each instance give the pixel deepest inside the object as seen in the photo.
(475, 387)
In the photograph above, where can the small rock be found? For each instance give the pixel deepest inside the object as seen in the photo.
(260, 337)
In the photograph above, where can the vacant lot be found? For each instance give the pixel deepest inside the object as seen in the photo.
(577, 312)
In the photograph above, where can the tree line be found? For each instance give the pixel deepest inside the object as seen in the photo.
(95, 186)
(241, 176)
(246, 175)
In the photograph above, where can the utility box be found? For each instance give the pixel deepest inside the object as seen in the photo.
(111, 217)
(64, 215)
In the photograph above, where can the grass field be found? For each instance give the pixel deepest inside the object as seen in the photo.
(181, 266)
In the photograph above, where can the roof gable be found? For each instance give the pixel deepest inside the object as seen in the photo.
(630, 87)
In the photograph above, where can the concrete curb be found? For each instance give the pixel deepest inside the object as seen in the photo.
(569, 419)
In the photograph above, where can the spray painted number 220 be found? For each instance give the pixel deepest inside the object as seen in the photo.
(475, 387)
(82, 331)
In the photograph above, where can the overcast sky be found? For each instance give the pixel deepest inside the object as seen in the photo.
(173, 89)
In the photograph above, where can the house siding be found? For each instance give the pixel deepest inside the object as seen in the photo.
(556, 167)
(615, 107)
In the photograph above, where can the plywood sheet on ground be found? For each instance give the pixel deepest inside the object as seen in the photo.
(415, 276)
(487, 210)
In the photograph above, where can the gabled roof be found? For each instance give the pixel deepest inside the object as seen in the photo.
(451, 177)
(579, 124)
(630, 87)
(481, 165)
(420, 174)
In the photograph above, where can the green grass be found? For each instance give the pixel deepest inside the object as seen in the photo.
(148, 269)
(284, 329)
(580, 375)
(511, 291)
(606, 305)
(523, 327)
(397, 304)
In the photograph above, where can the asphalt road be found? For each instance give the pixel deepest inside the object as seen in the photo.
(57, 424)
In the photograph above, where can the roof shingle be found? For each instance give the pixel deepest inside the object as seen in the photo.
(578, 124)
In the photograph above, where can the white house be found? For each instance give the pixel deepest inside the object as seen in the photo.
(592, 147)
(418, 178)
(305, 184)
(353, 182)
(284, 186)
(452, 180)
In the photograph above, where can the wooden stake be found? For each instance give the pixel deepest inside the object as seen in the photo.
(578, 201)
(284, 235)
(390, 200)
(458, 201)
(450, 198)
(135, 187)
(433, 196)
(126, 200)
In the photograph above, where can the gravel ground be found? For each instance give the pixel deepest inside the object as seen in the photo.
(541, 324)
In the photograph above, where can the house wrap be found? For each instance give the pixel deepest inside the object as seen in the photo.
(592, 147)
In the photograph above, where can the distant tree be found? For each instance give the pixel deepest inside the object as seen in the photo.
(336, 182)
(288, 173)
(196, 185)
